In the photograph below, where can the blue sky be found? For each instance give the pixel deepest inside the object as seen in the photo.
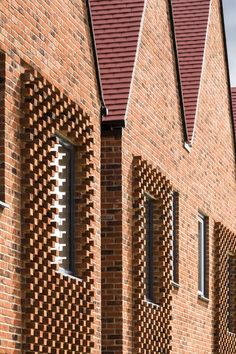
(230, 24)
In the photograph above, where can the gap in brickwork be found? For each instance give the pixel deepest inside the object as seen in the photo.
(111, 236)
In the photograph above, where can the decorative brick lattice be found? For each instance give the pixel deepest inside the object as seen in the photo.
(225, 342)
(57, 309)
(152, 322)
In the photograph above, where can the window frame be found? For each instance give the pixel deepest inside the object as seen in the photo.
(3, 98)
(175, 238)
(149, 249)
(202, 256)
(70, 147)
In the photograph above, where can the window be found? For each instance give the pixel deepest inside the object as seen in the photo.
(202, 256)
(175, 238)
(64, 163)
(3, 100)
(149, 249)
(232, 293)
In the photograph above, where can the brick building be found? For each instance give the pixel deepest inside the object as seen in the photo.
(118, 192)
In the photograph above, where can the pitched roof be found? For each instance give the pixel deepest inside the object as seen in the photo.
(233, 94)
(116, 25)
(190, 19)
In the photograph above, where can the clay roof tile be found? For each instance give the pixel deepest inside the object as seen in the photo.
(116, 26)
(190, 19)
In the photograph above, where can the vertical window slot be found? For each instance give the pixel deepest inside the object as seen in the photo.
(64, 219)
(149, 249)
(202, 256)
(175, 238)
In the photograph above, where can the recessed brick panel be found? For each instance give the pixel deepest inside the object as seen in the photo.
(225, 341)
(151, 321)
(58, 309)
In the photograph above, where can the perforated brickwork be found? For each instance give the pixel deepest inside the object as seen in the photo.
(152, 322)
(58, 309)
(225, 341)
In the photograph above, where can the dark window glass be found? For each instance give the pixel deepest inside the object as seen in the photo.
(175, 240)
(202, 256)
(149, 249)
(64, 204)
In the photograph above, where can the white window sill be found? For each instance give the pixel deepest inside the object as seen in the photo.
(153, 304)
(67, 274)
(4, 205)
(187, 147)
(175, 285)
(202, 297)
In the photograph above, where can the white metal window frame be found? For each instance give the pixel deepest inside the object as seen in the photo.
(59, 234)
(201, 255)
(174, 250)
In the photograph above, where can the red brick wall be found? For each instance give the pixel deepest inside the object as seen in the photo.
(204, 178)
(54, 38)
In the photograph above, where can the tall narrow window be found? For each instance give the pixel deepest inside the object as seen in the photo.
(149, 249)
(202, 256)
(232, 293)
(175, 240)
(3, 100)
(64, 192)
